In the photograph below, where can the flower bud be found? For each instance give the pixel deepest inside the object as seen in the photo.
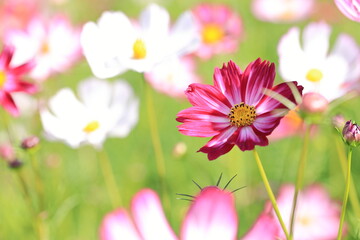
(351, 133)
(30, 142)
(314, 103)
(7, 152)
(15, 163)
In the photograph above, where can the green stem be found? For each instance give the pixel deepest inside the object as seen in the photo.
(160, 163)
(353, 193)
(109, 179)
(270, 192)
(38, 182)
(299, 178)
(346, 194)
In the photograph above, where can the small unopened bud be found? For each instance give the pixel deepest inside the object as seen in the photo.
(7, 152)
(179, 149)
(15, 163)
(314, 103)
(30, 142)
(351, 134)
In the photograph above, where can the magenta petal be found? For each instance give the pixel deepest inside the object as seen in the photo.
(208, 97)
(249, 137)
(265, 228)
(8, 103)
(266, 123)
(149, 216)
(227, 79)
(268, 104)
(220, 144)
(6, 56)
(24, 68)
(257, 77)
(117, 225)
(212, 216)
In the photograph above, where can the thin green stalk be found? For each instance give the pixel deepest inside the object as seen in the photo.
(160, 163)
(346, 194)
(270, 192)
(353, 193)
(38, 181)
(299, 178)
(109, 179)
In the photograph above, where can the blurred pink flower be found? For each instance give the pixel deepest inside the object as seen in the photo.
(173, 76)
(291, 124)
(17, 13)
(282, 10)
(317, 216)
(220, 27)
(241, 108)
(54, 44)
(309, 62)
(212, 215)
(350, 8)
(11, 80)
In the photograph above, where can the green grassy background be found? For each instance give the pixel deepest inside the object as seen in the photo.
(75, 195)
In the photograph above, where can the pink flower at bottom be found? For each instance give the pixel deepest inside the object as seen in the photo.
(11, 80)
(212, 216)
(241, 108)
(317, 216)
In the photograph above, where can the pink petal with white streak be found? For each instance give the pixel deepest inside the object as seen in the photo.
(117, 225)
(212, 216)
(149, 217)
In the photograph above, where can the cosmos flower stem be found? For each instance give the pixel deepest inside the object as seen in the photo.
(346, 194)
(270, 192)
(109, 179)
(353, 193)
(155, 139)
(38, 182)
(299, 178)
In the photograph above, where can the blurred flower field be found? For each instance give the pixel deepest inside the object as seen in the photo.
(114, 111)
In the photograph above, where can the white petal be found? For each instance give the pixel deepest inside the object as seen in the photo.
(95, 93)
(316, 39)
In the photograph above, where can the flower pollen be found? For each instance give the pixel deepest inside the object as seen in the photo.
(139, 49)
(242, 115)
(314, 75)
(2, 79)
(91, 126)
(212, 33)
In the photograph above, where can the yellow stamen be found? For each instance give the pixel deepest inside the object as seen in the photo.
(304, 220)
(91, 126)
(242, 115)
(139, 49)
(212, 33)
(45, 48)
(2, 79)
(314, 75)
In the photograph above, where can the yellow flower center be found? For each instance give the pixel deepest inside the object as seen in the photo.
(212, 33)
(314, 75)
(139, 49)
(242, 115)
(305, 220)
(45, 48)
(91, 126)
(2, 79)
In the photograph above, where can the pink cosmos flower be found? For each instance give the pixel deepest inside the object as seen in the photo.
(172, 77)
(54, 44)
(212, 216)
(350, 8)
(220, 27)
(317, 216)
(11, 80)
(241, 108)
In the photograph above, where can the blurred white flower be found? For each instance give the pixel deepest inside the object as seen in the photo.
(103, 110)
(331, 74)
(115, 44)
(282, 10)
(54, 44)
(172, 77)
